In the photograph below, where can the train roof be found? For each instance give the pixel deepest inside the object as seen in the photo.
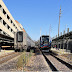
(45, 35)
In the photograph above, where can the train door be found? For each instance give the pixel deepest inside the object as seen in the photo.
(15, 40)
(20, 40)
(24, 41)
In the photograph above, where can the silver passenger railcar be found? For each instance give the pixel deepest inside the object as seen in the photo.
(22, 41)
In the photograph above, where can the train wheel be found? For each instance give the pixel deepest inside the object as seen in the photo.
(34, 50)
(18, 50)
(15, 50)
(28, 49)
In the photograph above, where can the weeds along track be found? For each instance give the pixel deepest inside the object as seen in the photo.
(8, 57)
(54, 63)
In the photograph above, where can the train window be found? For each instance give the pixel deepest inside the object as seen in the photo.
(45, 39)
(40, 38)
(20, 36)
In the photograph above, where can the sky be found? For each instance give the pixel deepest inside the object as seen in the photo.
(36, 15)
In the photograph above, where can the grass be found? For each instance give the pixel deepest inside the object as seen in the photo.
(23, 59)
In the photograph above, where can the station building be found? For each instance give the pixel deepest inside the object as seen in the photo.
(7, 23)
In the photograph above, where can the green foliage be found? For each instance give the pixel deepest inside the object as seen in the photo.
(23, 59)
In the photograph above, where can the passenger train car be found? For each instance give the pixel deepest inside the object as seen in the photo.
(44, 42)
(22, 41)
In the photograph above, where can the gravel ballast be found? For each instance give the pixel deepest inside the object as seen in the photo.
(38, 63)
(35, 63)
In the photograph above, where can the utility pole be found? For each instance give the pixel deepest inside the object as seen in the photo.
(59, 21)
(49, 31)
(40, 32)
(46, 33)
(40, 35)
(65, 28)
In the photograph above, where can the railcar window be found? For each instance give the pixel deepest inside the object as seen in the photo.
(20, 37)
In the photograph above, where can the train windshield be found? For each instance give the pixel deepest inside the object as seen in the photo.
(20, 36)
(45, 39)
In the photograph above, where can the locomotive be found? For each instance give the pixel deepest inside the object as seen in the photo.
(22, 41)
(44, 42)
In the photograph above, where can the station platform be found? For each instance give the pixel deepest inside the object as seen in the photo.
(5, 52)
(63, 54)
(60, 51)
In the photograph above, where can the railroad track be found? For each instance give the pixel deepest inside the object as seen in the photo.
(55, 63)
(62, 61)
(8, 57)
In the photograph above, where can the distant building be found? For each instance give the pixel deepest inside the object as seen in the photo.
(7, 23)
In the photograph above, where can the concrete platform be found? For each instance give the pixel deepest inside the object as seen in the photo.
(60, 51)
(5, 52)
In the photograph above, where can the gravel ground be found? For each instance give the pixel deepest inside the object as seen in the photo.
(5, 52)
(35, 63)
(38, 63)
(9, 65)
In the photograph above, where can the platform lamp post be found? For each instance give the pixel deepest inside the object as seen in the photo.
(50, 29)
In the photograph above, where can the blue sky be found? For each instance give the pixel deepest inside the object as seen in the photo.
(39, 14)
